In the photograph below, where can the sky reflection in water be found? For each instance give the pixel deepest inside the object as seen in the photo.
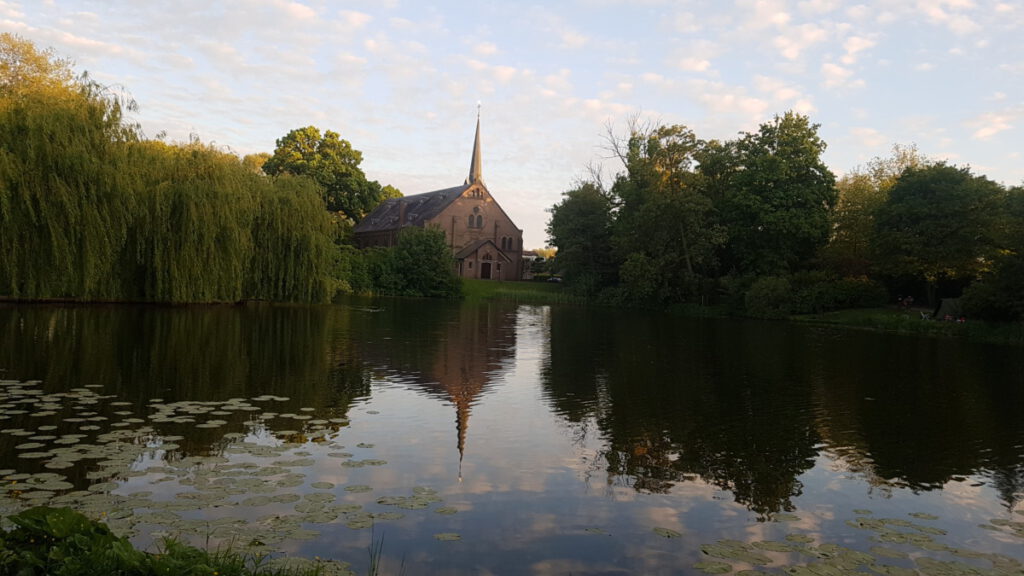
(553, 440)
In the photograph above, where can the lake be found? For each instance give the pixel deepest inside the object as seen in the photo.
(508, 439)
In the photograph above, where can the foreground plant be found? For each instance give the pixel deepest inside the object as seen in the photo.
(62, 542)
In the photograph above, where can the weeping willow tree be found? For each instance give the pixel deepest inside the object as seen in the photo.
(90, 210)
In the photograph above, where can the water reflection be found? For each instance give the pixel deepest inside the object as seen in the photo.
(695, 426)
(447, 351)
(748, 406)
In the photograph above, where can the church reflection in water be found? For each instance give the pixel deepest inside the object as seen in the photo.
(455, 356)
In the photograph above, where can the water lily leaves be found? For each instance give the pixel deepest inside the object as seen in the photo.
(322, 485)
(923, 516)
(666, 532)
(597, 531)
(735, 550)
(447, 537)
(713, 567)
(446, 510)
(358, 488)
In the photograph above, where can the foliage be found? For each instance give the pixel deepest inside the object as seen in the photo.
(581, 229)
(62, 542)
(816, 292)
(861, 192)
(779, 198)
(423, 264)
(769, 297)
(89, 210)
(334, 165)
(24, 69)
(420, 265)
(937, 223)
(665, 234)
(999, 293)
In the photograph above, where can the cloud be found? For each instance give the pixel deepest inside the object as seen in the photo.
(835, 76)
(686, 23)
(485, 49)
(573, 40)
(954, 18)
(991, 123)
(818, 7)
(853, 46)
(868, 137)
(794, 41)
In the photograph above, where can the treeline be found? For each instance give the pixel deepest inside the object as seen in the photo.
(760, 226)
(92, 210)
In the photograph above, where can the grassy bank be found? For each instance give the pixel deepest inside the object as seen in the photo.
(62, 542)
(912, 322)
(523, 292)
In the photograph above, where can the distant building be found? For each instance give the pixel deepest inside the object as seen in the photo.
(484, 241)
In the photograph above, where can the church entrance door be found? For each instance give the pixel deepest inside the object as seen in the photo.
(485, 270)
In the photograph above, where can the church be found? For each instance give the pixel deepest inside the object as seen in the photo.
(484, 241)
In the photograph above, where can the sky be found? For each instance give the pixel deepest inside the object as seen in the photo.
(402, 79)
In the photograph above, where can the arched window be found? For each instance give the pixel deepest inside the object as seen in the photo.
(504, 242)
(479, 221)
(471, 220)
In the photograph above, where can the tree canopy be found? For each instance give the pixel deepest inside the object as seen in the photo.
(333, 164)
(937, 223)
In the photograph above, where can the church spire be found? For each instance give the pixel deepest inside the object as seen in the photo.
(475, 167)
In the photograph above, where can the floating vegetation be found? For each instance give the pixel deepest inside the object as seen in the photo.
(914, 545)
(598, 531)
(666, 532)
(251, 472)
(447, 537)
(711, 567)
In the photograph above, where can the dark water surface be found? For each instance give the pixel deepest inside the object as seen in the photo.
(503, 439)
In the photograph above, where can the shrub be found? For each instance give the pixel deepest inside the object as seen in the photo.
(769, 297)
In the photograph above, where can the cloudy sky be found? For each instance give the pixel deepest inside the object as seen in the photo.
(401, 79)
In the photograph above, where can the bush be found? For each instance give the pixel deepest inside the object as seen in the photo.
(814, 293)
(769, 297)
(61, 542)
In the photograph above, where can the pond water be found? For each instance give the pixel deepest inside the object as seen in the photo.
(505, 439)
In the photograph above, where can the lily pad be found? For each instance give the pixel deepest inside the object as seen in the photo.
(447, 536)
(712, 567)
(666, 532)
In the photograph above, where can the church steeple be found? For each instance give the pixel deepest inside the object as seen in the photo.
(475, 167)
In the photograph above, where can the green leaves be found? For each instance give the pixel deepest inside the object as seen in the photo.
(333, 164)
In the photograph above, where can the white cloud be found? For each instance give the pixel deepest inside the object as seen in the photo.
(853, 46)
(869, 137)
(835, 76)
(924, 67)
(818, 7)
(485, 49)
(686, 23)
(694, 64)
(573, 40)
(354, 20)
(991, 123)
(795, 40)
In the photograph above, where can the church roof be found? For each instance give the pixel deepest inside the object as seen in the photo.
(473, 247)
(419, 208)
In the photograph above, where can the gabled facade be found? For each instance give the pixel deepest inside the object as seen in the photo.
(484, 241)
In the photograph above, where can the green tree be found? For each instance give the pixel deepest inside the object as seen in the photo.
(334, 165)
(861, 192)
(999, 293)
(779, 197)
(666, 233)
(23, 67)
(937, 224)
(581, 229)
(254, 162)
